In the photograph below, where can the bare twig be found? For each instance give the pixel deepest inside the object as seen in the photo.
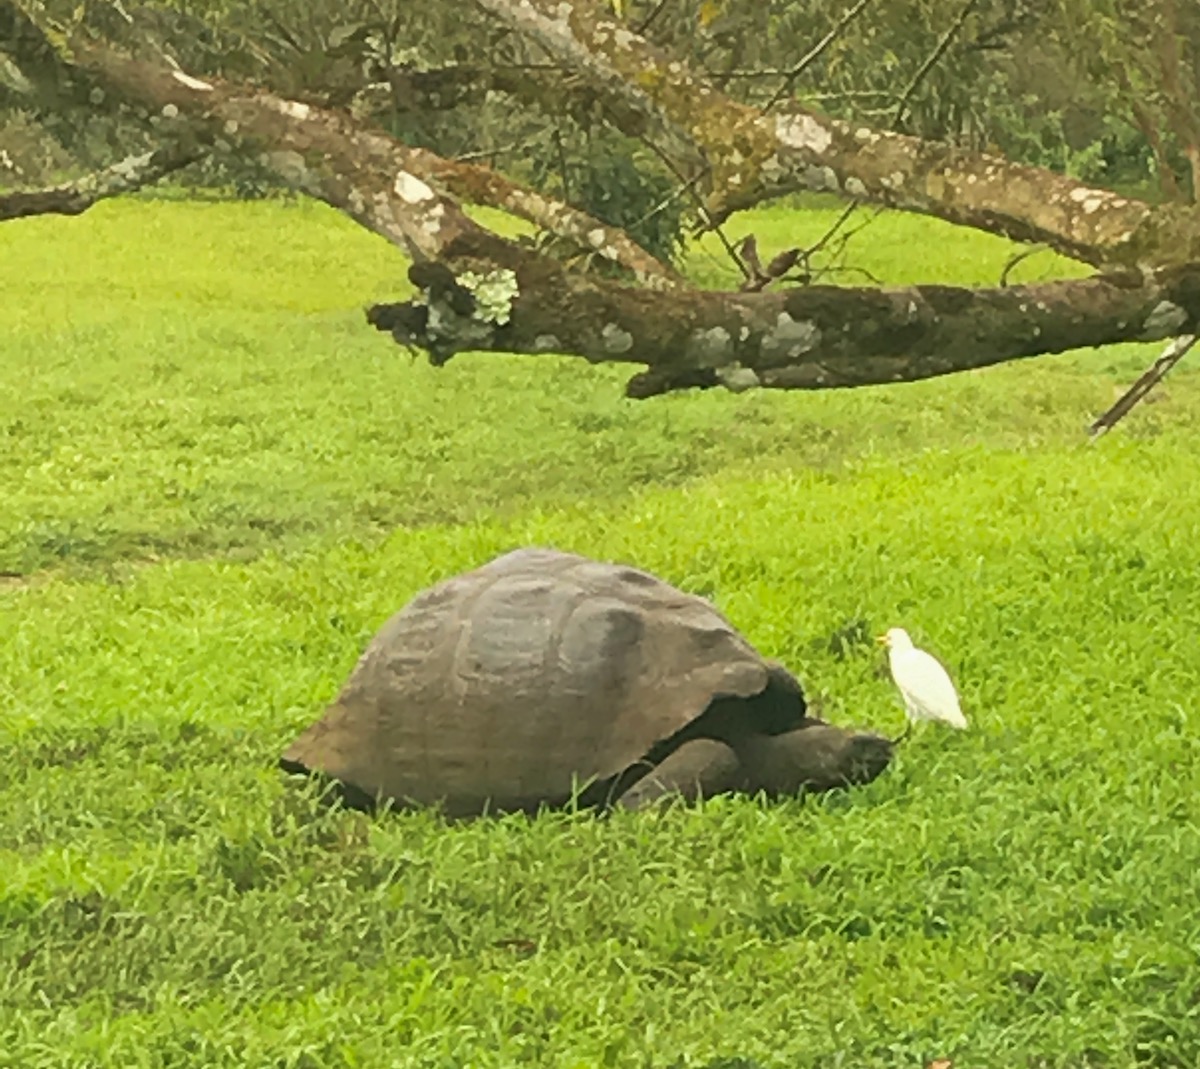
(931, 61)
(1171, 355)
(667, 201)
(689, 185)
(646, 22)
(813, 54)
(1017, 258)
(563, 171)
(838, 223)
(503, 150)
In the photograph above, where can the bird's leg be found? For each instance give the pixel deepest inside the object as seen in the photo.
(904, 734)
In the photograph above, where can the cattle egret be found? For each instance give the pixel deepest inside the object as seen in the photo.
(924, 684)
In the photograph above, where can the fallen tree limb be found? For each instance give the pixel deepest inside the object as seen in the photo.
(74, 198)
(817, 337)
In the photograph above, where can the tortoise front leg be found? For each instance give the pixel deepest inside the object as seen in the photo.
(699, 768)
(816, 757)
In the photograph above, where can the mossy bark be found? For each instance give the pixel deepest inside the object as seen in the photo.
(750, 156)
(816, 337)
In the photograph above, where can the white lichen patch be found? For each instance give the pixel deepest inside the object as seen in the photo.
(709, 348)
(546, 343)
(1165, 319)
(803, 132)
(596, 238)
(771, 169)
(855, 187)
(230, 127)
(826, 178)
(410, 189)
(190, 82)
(291, 108)
(289, 165)
(789, 338)
(129, 167)
(494, 294)
(738, 379)
(170, 111)
(616, 340)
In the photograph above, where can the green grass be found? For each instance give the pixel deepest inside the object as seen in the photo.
(217, 483)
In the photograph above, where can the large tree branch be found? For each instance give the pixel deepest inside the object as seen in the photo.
(753, 156)
(482, 185)
(74, 198)
(816, 337)
(383, 184)
(634, 108)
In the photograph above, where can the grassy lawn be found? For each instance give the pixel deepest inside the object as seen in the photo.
(217, 482)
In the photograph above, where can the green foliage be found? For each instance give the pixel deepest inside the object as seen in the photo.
(614, 179)
(229, 483)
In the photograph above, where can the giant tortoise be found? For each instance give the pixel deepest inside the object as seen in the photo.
(543, 677)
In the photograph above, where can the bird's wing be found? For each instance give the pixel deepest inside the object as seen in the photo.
(927, 685)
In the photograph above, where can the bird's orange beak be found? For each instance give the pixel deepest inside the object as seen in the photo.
(881, 639)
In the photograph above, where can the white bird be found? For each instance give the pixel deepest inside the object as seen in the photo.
(924, 685)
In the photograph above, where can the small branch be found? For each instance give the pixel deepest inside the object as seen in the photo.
(709, 223)
(931, 62)
(648, 21)
(1171, 355)
(74, 198)
(481, 185)
(837, 225)
(813, 54)
(1017, 258)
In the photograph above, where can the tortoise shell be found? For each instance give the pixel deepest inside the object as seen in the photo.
(517, 683)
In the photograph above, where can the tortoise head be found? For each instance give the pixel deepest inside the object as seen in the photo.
(865, 756)
(815, 757)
